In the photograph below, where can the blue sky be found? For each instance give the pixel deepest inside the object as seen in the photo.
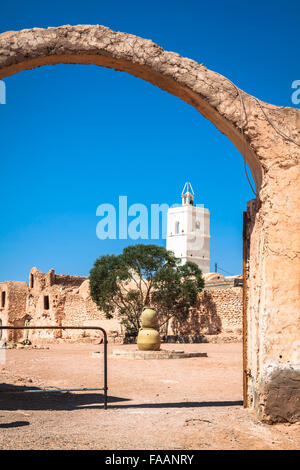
(74, 137)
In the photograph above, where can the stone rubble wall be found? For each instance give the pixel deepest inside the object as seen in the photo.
(80, 309)
(218, 312)
(13, 313)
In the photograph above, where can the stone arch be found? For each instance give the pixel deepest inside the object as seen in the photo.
(267, 136)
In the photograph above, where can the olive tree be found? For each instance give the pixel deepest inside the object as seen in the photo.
(144, 275)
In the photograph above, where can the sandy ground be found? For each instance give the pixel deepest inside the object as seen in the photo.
(153, 404)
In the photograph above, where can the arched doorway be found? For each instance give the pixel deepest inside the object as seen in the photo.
(268, 139)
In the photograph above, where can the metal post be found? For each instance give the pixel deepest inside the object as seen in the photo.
(105, 369)
(245, 325)
(105, 387)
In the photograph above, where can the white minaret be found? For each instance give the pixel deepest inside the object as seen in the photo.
(188, 231)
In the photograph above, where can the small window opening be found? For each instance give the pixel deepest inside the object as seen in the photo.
(31, 281)
(46, 302)
(3, 298)
(177, 227)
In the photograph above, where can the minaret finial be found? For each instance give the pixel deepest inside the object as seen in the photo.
(187, 194)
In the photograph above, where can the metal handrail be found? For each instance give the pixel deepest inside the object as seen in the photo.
(105, 387)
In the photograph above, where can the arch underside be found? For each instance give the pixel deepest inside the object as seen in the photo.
(153, 69)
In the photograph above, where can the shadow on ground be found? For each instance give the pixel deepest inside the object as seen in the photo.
(11, 399)
(14, 424)
(71, 401)
(182, 404)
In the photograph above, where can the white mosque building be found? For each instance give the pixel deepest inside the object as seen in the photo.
(188, 233)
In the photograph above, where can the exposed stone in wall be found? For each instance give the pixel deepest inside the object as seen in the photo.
(68, 281)
(273, 302)
(218, 311)
(69, 303)
(280, 400)
(13, 312)
(80, 309)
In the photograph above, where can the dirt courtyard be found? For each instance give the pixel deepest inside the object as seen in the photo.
(193, 403)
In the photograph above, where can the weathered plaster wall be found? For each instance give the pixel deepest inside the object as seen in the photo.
(274, 297)
(13, 313)
(80, 309)
(70, 304)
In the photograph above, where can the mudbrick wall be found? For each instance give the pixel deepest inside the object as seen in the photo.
(80, 309)
(63, 300)
(52, 299)
(13, 297)
(57, 299)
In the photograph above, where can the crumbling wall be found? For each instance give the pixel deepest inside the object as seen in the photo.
(63, 300)
(68, 281)
(217, 311)
(80, 309)
(13, 312)
(44, 303)
(68, 304)
(225, 309)
(273, 300)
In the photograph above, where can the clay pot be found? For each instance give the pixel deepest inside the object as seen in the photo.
(148, 340)
(149, 318)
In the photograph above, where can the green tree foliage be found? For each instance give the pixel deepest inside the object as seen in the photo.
(144, 275)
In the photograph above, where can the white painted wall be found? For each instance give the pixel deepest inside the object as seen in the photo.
(192, 243)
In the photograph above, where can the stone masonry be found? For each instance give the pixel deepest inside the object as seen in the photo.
(64, 300)
(218, 316)
(52, 299)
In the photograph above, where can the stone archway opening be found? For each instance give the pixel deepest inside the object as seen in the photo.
(267, 136)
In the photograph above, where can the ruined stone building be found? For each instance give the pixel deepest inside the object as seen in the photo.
(50, 299)
(64, 300)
